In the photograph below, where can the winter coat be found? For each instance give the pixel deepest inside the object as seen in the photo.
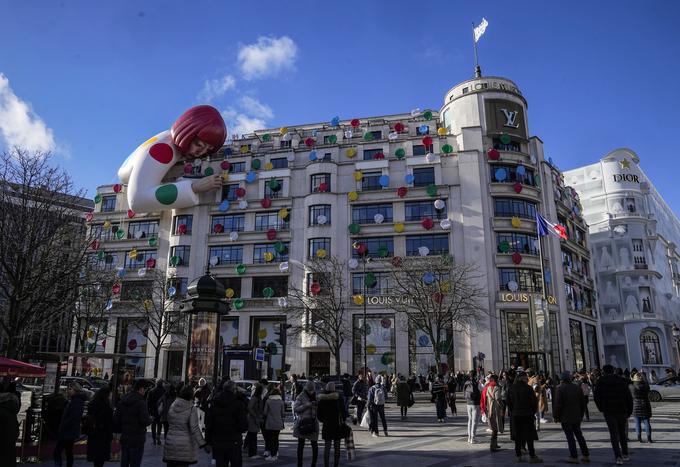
(153, 398)
(371, 393)
(569, 403)
(163, 405)
(9, 427)
(69, 426)
(99, 440)
(642, 408)
(404, 394)
(255, 414)
(274, 413)
(612, 396)
(471, 393)
(330, 411)
(184, 435)
(523, 405)
(494, 406)
(305, 407)
(226, 419)
(360, 389)
(132, 418)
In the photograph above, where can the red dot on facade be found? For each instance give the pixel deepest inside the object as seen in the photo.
(161, 152)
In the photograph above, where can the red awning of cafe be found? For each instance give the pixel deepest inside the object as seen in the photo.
(14, 368)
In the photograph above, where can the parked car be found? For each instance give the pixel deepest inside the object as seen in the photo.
(245, 386)
(83, 382)
(665, 389)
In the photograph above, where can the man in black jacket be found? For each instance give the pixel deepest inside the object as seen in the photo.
(360, 391)
(568, 409)
(225, 422)
(614, 400)
(152, 399)
(130, 420)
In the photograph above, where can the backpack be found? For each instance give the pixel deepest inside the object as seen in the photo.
(378, 395)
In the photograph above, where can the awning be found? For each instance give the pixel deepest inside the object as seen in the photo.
(14, 368)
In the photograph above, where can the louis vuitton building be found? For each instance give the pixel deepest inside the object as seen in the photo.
(475, 157)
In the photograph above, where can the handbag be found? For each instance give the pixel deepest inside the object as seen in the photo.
(411, 400)
(307, 426)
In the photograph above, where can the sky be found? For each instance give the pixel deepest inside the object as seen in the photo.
(91, 80)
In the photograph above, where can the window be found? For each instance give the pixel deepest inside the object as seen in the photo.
(316, 244)
(421, 150)
(577, 344)
(269, 193)
(420, 132)
(651, 348)
(107, 263)
(259, 251)
(285, 144)
(237, 167)
(371, 181)
(108, 203)
(140, 260)
(229, 192)
(637, 244)
(510, 242)
(325, 280)
(519, 331)
(327, 156)
(567, 259)
(376, 246)
(511, 146)
(98, 231)
(438, 244)
(369, 154)
(233, 283)
(511, 175)
(317, 180)
(278, 283)
(377, 134)
(507, 207)
(630, 205)
(330, 139)
(227, 254)
(136, 290)
(186, 220)
(365, 213)
(271, 220)
(381, 287)
(418, 210)
(423, 176)
(320, 210)
(142, 229)
(591, 345)
(279, 162)
(646, 299)
(180, 284)
(232, 223)
(526, 279)
(182, 252)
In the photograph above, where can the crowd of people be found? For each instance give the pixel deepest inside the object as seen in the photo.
(225, 420)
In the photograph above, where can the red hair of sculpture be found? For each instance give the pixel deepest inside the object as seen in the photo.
(203, 122)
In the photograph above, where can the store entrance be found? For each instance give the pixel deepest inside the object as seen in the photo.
(534, 360)
(319, 363)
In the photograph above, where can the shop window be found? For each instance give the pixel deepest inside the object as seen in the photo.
(278, 283)
(651, 348)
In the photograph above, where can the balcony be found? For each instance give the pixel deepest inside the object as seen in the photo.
(641, 266)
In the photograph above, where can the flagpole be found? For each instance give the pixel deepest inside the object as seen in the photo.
(478, 70)
(544, 299)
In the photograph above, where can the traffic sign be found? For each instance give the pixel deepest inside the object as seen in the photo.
(259, 354)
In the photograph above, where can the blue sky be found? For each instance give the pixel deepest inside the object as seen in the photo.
(92, 80)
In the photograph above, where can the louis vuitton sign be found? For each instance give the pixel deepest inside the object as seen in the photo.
(503, 116)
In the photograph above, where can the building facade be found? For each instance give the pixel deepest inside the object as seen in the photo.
(634, 237)
(290, 192)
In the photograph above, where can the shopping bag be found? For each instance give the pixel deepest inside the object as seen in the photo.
(365, 420)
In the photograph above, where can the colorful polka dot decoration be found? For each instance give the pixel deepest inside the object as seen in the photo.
(97, 198)
(399, 227)
(441, 131)
(241, 269)
(352, 195)
(505, 139)
(161, 152)
(268, 166)
(431, 190)
(398, 127)
(368, 136)
(427, 115)
(402, 191)
(354, 228)
(400, 153)
(256, 164)
(266, 137)
(351, 152)
(516, 258)
(117, 187)
(493, 154)
(447, 149)
(355, 122)
(238, 303)
(167, 194)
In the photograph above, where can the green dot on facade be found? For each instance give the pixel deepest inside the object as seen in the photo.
(166, 194)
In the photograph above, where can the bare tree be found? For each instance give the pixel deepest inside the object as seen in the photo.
(43, 245)
(441, 296)
(320, 309)
(155, 305)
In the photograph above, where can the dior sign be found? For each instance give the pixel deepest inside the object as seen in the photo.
(620, 178)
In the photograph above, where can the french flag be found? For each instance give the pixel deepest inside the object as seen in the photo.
(545, 227)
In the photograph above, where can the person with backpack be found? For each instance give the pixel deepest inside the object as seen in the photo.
(98, 426)
(69, 426)
(184, 434)
(225, 423)
(376, 406)
(130, 420)
(642, 408)
(274, 414)
(306, 426)
(152, 399)
(404, 396)
(330, 413)
(472, 398)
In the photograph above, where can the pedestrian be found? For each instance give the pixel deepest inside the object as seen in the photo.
(614, 399)
(439, 397)
(225, 423)
(376, 406)
(522, 403)
(569, 406)
(152, 399)
(472, 397)
(201, 398)
(494, 410)
(642, 408)
(10, 405)
(274, 414)
(164, 404)
(98, 426)
(360, 394)
(330, 413)
(255, 419)
(69, 426)
(184, 434)
(346, 392)
(451, 387)
(306, 426)
(404, 396)
(584, 384)
(130, 420)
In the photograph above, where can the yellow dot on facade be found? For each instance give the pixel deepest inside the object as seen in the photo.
(358, 176)
(268, 166)
(358, 299)
(321, 253)
(225, 176)
(229, 293)
(398, 227)
(283, 130)
(441, 131)
(351, 152)
(516, 222)
(244, 149)
(353, 195)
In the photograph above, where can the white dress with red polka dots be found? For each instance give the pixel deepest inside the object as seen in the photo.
(144, 171)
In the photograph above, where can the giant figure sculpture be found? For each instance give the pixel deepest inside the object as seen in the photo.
(197, 132)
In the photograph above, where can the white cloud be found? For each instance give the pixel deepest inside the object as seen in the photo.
(254, 107)
(214, 88)
(19, 125)
(238, 123)
(267, 56)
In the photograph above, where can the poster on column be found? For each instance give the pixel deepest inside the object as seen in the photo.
(202, 355)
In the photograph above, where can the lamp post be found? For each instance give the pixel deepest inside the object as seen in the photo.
(675, 330)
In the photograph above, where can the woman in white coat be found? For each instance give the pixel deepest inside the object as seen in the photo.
(274, 414)
(184, 437)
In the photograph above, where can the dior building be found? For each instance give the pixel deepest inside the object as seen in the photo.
(471, 167)
(634, 237)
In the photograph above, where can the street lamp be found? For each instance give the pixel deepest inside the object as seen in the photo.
(675, 330)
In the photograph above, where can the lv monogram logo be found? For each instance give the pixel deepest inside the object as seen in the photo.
(510, 116)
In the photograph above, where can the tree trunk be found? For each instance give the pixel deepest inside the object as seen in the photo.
(336, 355)
(156, 358)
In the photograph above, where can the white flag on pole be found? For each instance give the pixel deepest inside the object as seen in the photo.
(479, 30)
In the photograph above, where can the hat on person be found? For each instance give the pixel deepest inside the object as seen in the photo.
(637, 377)
(202, 382)
(75, 386)
(566, 375)
(310, 387)
(378, 379)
